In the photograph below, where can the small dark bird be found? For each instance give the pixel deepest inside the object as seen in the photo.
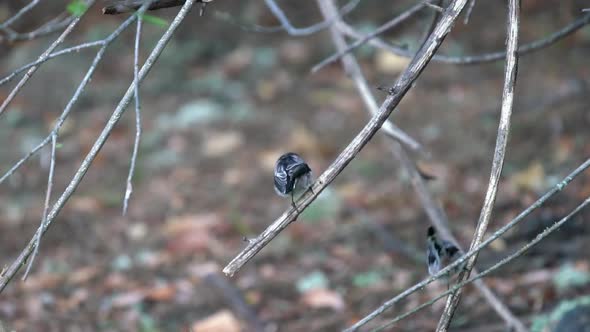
(441, 253)
(292, 175)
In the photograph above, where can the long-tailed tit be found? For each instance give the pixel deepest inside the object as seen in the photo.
(441, 253)
(292, 175)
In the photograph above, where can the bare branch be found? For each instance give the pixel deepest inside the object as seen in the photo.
(406, 14)
(499, 154)
(353, 69)
(475, 59)
(46, 29)
(128, 6)
(469, 11)
(129, 187)
(293, 31)
(398, 91)
(441, 222)
(46, 208)
(19, 14)
(45, 54)
(63, 116)
(501, 231)
(494, 267)
(80, 173)
(68, 50)
(436, 214)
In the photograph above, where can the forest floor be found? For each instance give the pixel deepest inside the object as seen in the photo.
(218, 109)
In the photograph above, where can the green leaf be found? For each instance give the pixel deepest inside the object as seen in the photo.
(314, 280)
(568, 276)
(153, 20)
(77, 8)
(366, 279)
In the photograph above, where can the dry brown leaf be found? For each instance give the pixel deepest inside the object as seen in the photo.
(268, 158)
(390, 63)
(161, 293)
(189, 223)
(127, 299)
(531, 178)
(303, 141)
(219, 144)
(565, 147)
(42, 281)
(83, 275)
(85, 204)
(221, 321)
(323, 298)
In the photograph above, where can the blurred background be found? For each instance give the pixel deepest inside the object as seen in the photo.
(219, 107)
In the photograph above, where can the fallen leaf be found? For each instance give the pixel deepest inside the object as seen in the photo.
(531, 178)
(219, 144)
(314, 280)
(303, 141)
(221, 321)
(323, 298)
(42, 281)
(83, 275)
(161, 293)
(390, 63)
(268, 158)
(188, 223)
(127, 299)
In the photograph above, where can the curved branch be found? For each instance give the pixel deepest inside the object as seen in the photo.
(494, 267)
(499, 155)
(397, 92)
(501, 231)
(81, 172)
(399, 19)
(476, 59)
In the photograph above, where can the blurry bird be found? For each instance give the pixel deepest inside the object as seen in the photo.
(441, 253)
(292, 175)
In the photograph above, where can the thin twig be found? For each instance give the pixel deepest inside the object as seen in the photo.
(499, 154)
(437, 215)
(293, 31)
(129, 187)
(80, 173)
(436, 7)
(440, 221)
(68, 50)
(398, 91)
(63, 116)
(353, 69)
(19, 14)
(493, 268)
(406, 14)
(475, 59)
(469, 11)
(46, 207)
(32, 70)
(40, 32)
(539, 202)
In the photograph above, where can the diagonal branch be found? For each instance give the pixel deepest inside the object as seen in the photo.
(43, 56)
(441, 222)
(499, 154)
(353, 69)
(476, 59)
(501, 231)
(81, 172)
(399, 19)
(435, 213)
(19, 14)
(129, 186)
(397, 92)
(496, 266)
